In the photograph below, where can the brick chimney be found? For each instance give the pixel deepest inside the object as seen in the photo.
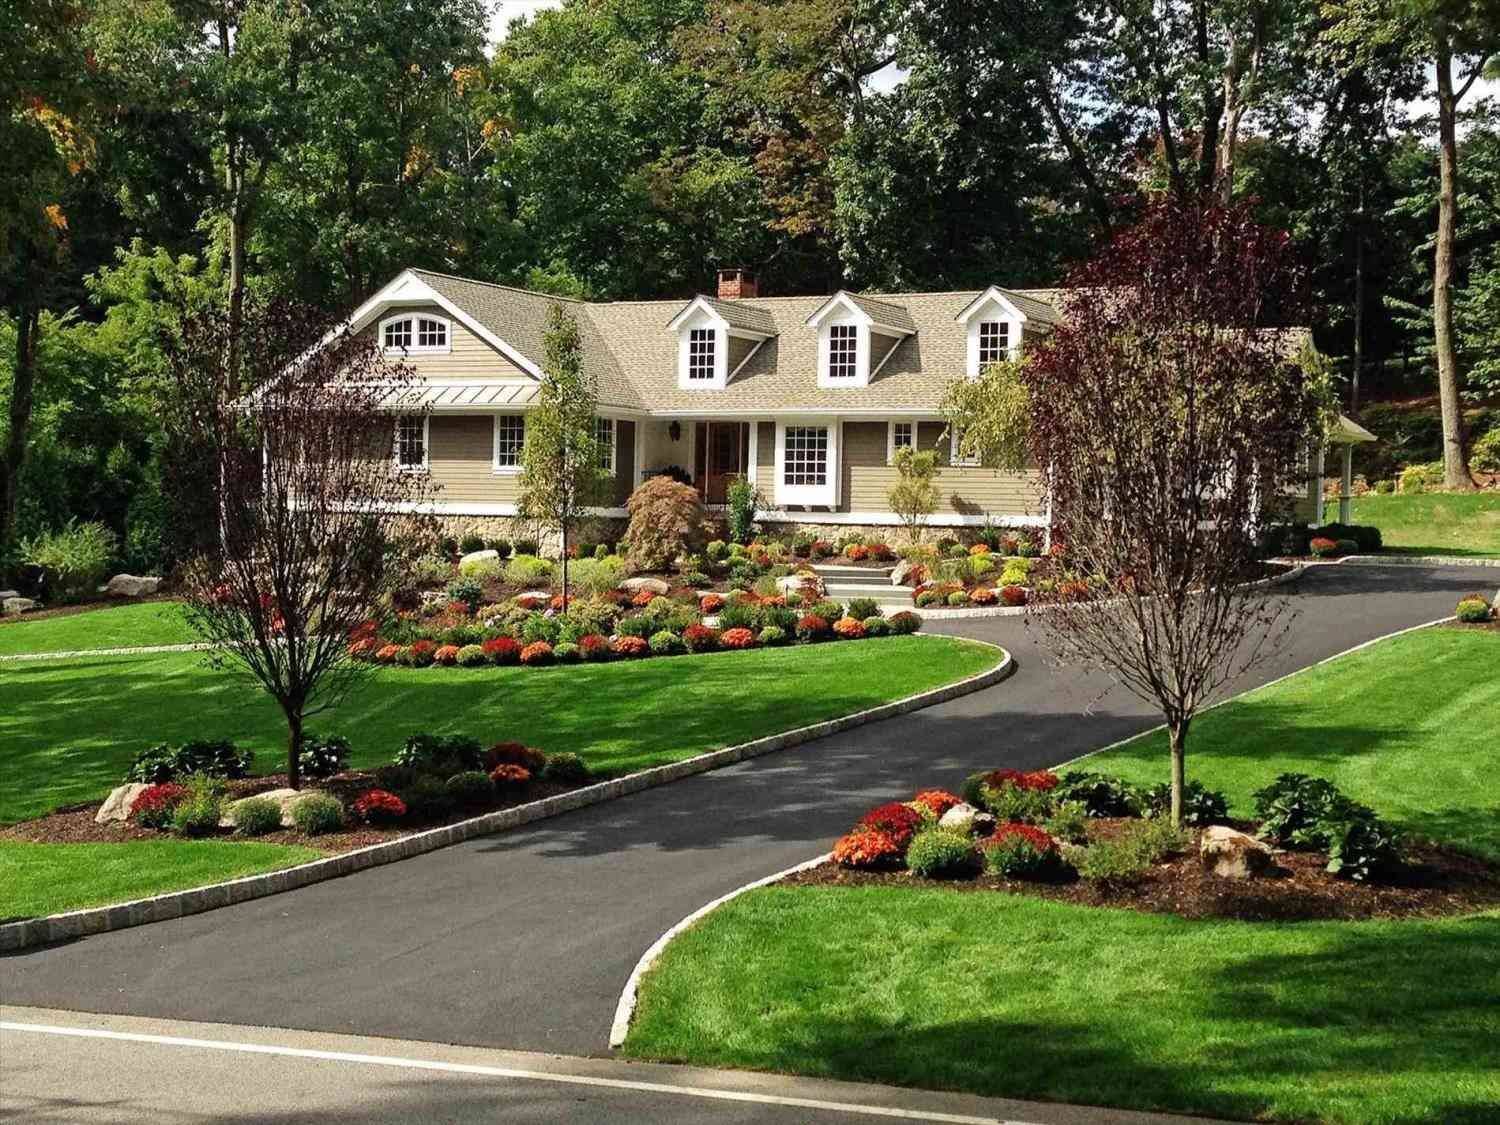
(736, 283)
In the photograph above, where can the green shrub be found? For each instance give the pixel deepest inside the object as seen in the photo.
(863, 608)
(905, 622)
(527, 570)
(717, 550)
(501, 547)
(941, 852)
(1484, 455)
(540, 627)
(1013, 803)
(1100, 794)
(215, 758)
(664, 642)
(740, 614)
(565, 652)
(640, 625)
(877, 627)
(596, 577)
(317, 814)
(429, 570)
(470, 543)
(255, 816)
(1069, 822)
(482, 570)
(1133, 852)
(1473, 609)
(784, 617)
(198, 813)
(1200, 806)
(427, 797)
(1304, 812)
(591, 615)
(1386, 487)
(466, 590)
(470, 789)
(1366, 539)
(1421, 477)
(565, 769)
(323, 756)
(827, 609)
(1019, 853)
(75, 557)
(772, 635)
(472, 656)
(153, 765)
(439, 754)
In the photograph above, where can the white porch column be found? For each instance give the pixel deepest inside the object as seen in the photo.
(1346, 484)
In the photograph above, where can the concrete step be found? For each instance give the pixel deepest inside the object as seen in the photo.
(832, 573)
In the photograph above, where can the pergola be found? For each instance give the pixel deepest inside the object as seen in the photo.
(1346, 435)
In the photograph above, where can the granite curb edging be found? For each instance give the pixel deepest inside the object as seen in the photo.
(16, 936)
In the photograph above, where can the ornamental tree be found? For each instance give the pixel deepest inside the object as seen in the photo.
(914, 495)
(285, 497)
(1168, 411)
(561, 477)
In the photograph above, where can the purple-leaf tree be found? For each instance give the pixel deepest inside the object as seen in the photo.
(291, 503)
(1171, 414)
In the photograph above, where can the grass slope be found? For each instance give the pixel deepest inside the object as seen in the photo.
(1362, 1022)
(1409, 726)
(1431, 524)
(40, 879)
(123, 626)
(69, 728)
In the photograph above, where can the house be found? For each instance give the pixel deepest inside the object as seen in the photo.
(808, 397)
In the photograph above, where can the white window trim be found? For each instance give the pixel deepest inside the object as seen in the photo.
(890, 437)
(414, 315)
(991, 305)
(808, 495)
(614, 441)
(861, 376)
(495, 467)
(953, 458)
(426, 444)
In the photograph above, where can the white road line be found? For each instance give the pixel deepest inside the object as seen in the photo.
(509, 1072)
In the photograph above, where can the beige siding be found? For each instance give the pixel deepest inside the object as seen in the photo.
(867, 478)
(470, 357)
(765, 456)
(460, 457)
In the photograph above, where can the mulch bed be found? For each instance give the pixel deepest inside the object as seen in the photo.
(1438, 882)
(75, 824)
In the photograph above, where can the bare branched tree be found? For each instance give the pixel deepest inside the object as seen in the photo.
(1171, 413)
(293, 503)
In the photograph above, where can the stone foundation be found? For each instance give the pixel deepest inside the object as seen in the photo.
(597, 529)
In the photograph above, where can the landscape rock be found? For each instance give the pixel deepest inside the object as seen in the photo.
(17, 605)
(645, 582)
(964, 817)
(900, 571)
(1233, 855)
(796, 583)
(286, 798)
(6, 595)
(478, 556)
(132, 586)
(117, 805)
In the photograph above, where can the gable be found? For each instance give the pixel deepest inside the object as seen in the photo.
(468, 356)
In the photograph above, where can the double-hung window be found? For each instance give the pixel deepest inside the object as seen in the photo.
(805, 463)
(903, 436)
(510, 439)
(604, 436)
(701, 362)
(411, 442)
(994, 342)
(843, 351)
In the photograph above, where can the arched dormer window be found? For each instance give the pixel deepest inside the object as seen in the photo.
(416, 333)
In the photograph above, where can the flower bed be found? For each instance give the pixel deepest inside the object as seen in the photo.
(1094, 839)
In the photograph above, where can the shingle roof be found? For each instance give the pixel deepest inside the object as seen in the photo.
(633, 355)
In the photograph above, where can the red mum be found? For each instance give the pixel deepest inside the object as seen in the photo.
(711, 603)
(737, 638)
(502, 650)
(538, 652)
(629, 646)
(901, 821)
(868, 847)
(1041, 780)
(507, 776)
(936, 801)
(377, 806)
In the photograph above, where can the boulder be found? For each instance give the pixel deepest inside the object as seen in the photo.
(117, 805)
(131, 586)
(1233, 855)
(478, 556)
(900, 571)
(796, 583)
(645, 582)
(17, 605)
(964, 817)
(6, 595)
(286, 798)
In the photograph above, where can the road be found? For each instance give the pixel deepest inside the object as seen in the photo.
(524, 940)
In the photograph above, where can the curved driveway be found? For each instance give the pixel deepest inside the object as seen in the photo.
(524, 940)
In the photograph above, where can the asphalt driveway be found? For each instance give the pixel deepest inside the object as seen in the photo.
(524, 940)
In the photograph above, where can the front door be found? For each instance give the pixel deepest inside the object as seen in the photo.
(723, 453)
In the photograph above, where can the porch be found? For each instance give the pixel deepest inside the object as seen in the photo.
(706, 453)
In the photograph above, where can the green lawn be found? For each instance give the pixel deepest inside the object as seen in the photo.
(1408, 726)
(69, 727)
(122, 626)
(1355, 1022)
(1431, 523)
(1347, 1022)
(48, 878)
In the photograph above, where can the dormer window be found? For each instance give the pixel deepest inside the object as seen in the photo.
(413, 333)
(994, 342)
(702, 348)
(843, 351)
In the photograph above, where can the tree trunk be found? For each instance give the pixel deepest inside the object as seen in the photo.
(23, 393)
(1456, 474)
(564, 526)
(237, 230)
(293, 744)
(1177, 738)
(1359, 295)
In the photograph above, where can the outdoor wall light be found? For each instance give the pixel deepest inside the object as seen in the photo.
(675, 431)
